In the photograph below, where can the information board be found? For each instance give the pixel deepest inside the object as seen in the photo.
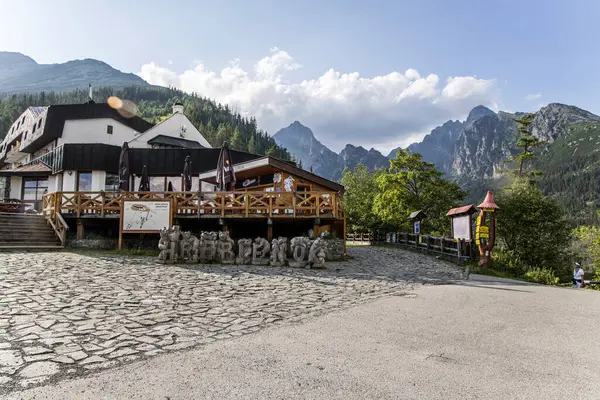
(461, 227)
(145, 216)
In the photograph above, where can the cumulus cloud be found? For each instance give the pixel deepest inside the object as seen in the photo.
(381, 111)
(531, 97)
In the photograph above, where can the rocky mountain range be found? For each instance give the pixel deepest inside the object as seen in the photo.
(20, 73)
(472, 152)
(301, 142)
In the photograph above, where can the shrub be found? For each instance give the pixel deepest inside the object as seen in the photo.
(542, 275)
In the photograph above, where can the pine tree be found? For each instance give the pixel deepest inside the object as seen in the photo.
(527, 143)
(300, 164)
(236, 141)
(251, 145)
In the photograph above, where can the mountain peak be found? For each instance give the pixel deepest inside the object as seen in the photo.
(478, 112)
(295, 129)
(20, 73)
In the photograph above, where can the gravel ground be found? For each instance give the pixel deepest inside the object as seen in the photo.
(63, 315)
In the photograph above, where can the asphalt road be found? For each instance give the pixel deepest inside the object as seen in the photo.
(482, 339)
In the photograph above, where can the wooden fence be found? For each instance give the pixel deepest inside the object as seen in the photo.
(456, 249)
(248, 204)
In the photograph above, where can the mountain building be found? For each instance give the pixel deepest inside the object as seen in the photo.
(63, 161)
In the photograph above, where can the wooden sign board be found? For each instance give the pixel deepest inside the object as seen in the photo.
(144, 216)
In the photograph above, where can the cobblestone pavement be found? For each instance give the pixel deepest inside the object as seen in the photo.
(64, 314)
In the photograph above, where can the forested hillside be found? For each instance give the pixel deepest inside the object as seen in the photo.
(216, 122)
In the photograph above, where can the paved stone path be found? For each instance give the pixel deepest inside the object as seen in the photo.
(64, 314)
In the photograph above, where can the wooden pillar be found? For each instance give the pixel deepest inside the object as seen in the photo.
(316, 225)
(80, 229)
(269, 229)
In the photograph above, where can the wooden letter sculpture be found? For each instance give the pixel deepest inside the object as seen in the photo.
(225, 248)
(244, 252)
(300, 246)
(186, 246)
(278, 252)
(316, 256)
(174, 237)
(209, 247)
(164, 246)
(260, 251)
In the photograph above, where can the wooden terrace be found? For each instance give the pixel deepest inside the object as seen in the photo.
(236, 204)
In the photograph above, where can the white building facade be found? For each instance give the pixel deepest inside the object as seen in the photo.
(72, 148)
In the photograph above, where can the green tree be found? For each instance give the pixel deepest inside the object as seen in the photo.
(251, 145)
(360, 190)
(532, 228)
(272, 152)
(300, 164)
(526, 142)
(585, 247)
(236, 140)
(412, 184)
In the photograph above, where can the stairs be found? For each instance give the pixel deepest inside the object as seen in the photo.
(26, 232)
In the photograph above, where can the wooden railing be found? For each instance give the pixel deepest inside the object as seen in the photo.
(452, 248)
(201, 204)
(55, 220)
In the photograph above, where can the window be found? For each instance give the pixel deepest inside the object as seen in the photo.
(34, 127)
(109, 129)
(111, 183)
(23, 120)
(176, 182)
(34, 188)
(40, 123)
(157, 184)
(84, 181)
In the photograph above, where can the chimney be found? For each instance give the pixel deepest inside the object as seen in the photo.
(178, 108)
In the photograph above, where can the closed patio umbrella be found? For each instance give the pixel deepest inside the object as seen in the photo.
(187, 174)
(124, 168)
(144, 181)
(225, 172)
(170, 187)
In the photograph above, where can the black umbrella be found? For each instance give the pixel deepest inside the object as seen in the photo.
(170, 187)
(187, 174)
(225, 172)
(144, 181)
(124, 168)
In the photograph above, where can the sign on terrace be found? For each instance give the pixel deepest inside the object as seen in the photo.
(145, 216)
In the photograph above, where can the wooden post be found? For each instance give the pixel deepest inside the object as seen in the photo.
(345, 253)
(80, 229)
(269, 232)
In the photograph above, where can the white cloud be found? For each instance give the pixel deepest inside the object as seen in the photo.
(339, 107)
(531, 97)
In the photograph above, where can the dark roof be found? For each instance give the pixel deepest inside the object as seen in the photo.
(470, 209)
(58, 114)
(417, 214)
(104, 157)
(175, 142)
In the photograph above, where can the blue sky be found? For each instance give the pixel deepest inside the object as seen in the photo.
(525, 47)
